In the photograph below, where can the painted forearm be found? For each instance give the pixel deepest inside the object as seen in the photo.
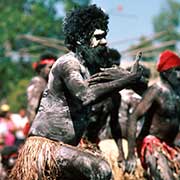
(132, 123)
(98, 91)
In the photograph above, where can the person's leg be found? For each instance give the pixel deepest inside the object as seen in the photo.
(82, 165)
(158, 167)
(41, 158)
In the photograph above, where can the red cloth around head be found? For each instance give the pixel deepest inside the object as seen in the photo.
(43, 61)
(167, 60)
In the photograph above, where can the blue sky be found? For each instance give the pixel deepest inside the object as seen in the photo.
(133, 21)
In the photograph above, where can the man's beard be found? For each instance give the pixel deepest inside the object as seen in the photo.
(95, 58)
(174, 82)
(176, 86)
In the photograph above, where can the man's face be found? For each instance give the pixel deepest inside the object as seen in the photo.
(93, 53)
(98, 38)
(45, 71)
(48, 68)
(174, 77)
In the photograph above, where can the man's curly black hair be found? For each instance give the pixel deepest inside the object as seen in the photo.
(80, 24)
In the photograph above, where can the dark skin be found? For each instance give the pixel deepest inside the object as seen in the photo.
(110, 108)
(65, 119)
(79, 97)
(161, 106)
(100, 113)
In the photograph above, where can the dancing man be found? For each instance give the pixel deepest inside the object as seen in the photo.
(50, 151)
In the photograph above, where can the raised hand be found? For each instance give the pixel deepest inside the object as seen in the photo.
(135, 66)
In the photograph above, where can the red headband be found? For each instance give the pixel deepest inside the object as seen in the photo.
(167, 60)
(43, 61)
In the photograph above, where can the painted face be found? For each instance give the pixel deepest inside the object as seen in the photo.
(178, 73)
(98, 38)
(174, 77)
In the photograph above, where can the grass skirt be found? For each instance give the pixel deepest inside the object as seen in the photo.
(37, 160)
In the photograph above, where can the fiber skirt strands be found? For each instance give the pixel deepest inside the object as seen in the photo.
(37, 160)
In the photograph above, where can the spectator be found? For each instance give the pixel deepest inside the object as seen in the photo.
(7, 127)
(20, 121)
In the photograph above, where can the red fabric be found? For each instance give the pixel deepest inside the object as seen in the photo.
(43, 61)
(47, 61)
(84, 142)
(148, 146)
(167, 60)
(26, 128)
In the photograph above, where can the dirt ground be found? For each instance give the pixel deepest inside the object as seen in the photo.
(110, 152)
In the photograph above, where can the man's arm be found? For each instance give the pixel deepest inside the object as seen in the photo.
(144, 105)
(116, 127)
(34, 92)
(90, 94)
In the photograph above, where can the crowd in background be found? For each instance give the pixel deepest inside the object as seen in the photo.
(12, 126)
(12, 136)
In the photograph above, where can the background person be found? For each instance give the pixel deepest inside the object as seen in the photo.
(160, 106)
(38, 83)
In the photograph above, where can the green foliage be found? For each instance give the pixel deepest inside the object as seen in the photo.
(14, 80)
(72, 4)
(36, 18)
(17, 98)
(168, 20)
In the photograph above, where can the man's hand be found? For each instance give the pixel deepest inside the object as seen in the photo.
(108, 74)
(115, 73)
(122, 165)
(130, 165)
(135, 66)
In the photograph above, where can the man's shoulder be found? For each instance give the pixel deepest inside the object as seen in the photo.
(69, 57)
(66, 61)
(163, 87)
(159, 89)
(37, 80)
